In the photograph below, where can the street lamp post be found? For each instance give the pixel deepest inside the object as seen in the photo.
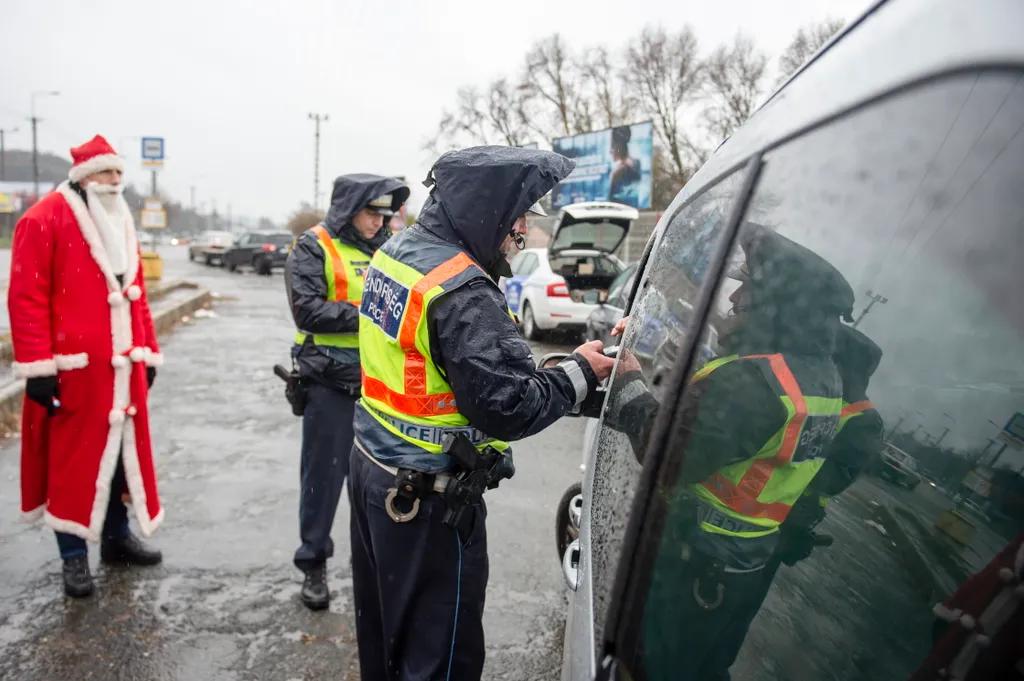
(35, 147)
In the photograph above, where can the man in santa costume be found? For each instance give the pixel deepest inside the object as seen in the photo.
(83, 338)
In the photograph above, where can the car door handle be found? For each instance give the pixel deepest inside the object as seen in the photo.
(571, 564)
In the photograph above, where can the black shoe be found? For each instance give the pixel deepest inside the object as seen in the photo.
(77, 579)
(315, 593)
(129, 550)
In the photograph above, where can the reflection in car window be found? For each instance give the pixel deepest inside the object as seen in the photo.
(651, 338)
(814, 504)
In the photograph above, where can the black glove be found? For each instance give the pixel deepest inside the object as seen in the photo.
(796, 544)
(150, 376)
(43, 391)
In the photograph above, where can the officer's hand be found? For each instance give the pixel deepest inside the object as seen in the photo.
(599, 364)
(620, 326)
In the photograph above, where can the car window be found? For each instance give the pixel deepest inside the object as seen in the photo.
(616, 468)
(516, 263)
(620, 287)
(874, 306)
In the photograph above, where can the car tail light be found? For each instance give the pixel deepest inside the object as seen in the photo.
(269, 248)
(558, 290)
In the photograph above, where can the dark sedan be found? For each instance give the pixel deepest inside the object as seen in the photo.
(259, 250)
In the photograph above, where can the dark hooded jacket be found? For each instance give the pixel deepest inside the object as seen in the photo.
(306, 284)
(477, 195)
(860, 440)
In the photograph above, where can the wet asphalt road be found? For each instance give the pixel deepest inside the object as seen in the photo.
(224, 604)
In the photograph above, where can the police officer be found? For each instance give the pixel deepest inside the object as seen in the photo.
(324, 279)
(759, 422)
(441, 353)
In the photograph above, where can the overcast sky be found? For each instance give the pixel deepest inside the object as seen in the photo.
(229, 84)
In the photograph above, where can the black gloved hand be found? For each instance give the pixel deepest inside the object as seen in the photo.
(150, 376)
(796, 544)
(43, 391)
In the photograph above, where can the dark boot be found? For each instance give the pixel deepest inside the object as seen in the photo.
(77, 579)
(315, 593)
(129, 550)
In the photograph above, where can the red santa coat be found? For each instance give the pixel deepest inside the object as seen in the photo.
(71, 318)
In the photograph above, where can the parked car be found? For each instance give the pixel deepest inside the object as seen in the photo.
(210, 247)
(894, 156)
(898, 467)
(539, 295)
(547, 285)
(262, 251)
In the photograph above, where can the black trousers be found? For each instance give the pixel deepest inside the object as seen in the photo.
(419, 586)
(326, 443)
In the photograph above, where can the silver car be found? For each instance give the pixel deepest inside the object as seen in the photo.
(895, 155)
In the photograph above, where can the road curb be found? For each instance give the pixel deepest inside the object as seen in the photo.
(163, 321)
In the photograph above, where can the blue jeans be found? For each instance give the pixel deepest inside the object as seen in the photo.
(115, 526)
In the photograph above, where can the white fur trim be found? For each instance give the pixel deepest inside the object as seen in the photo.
(944, 612)
(68, 362)
(116, 417)
(119, 361)
(131, 411)
(115, 298)
(137, 354)
(154, 359)
(70, 527)
(96, 164)
(33, 515)
(967, 622)
(41, 367)
(133, 477)
(134, 293)
(90, 234)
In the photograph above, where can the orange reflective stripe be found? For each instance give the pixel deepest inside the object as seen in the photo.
(742, 497)
(856, 408)
(340, 276)
(415, 362)
(413, 405)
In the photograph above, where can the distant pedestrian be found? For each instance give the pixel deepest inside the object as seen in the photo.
(83, 338)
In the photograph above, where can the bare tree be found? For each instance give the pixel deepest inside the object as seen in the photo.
(605, 89)
(304, 218)
(552, 80)
(665, 74)
(506, 112)
(735, 81)
(806, 42)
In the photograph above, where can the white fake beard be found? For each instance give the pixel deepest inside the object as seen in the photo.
(108, 196)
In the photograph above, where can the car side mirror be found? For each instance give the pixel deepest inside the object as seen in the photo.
(592, 297)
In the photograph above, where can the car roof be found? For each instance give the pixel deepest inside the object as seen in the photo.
(895, 43)
(601, 209)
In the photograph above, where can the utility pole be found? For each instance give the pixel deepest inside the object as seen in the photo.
(316, 118)
(192, 192)
(3, 153)
(35, 146)
(875, 298)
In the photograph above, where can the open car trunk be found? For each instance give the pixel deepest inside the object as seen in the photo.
(583, 242)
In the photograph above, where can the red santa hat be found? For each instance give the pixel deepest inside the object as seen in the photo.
(94, 156)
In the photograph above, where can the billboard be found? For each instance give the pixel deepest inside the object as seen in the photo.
(611, 165)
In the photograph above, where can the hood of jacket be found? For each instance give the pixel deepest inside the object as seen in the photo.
(478, 193)
(857, 358)
(796, 297)
(351, 194)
